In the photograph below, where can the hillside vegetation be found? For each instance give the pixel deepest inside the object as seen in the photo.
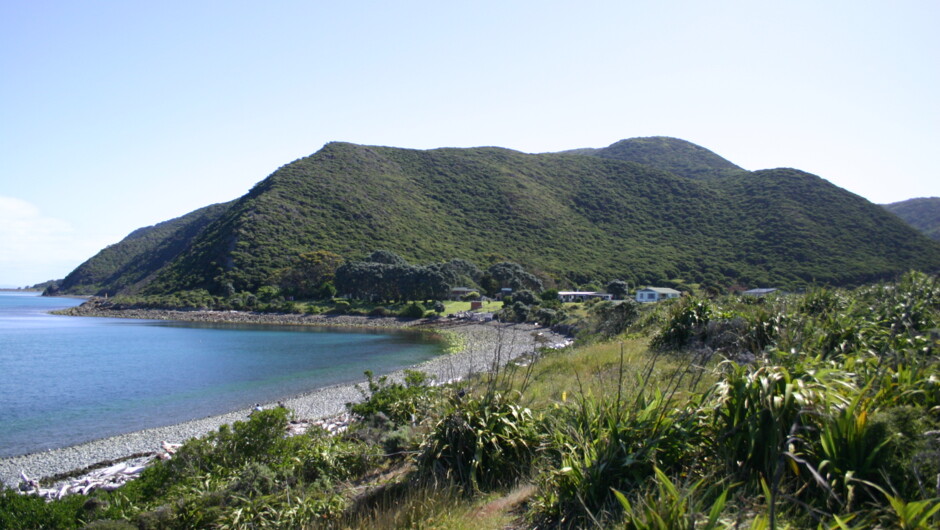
(671, 154)
(923, 214)
(571, 218)
(128, 265)
(797, 411)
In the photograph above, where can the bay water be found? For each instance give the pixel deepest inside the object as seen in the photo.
(66, 380)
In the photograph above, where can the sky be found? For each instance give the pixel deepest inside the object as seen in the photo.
(118, 114)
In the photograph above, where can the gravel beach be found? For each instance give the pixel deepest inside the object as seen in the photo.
(485, 344)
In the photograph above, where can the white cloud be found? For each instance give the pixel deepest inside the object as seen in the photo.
(35, 247)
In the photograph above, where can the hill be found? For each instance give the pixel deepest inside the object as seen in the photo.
(923, 214)
(571, 217)
(126, 266)
(671, 154)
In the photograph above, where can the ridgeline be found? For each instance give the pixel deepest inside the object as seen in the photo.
(645, 210)
(922, 213)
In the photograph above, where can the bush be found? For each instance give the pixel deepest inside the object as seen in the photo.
(400, 403)
(601, 446)
(686, 322)
(29, 511)
(380, 311)
(482, 444)
(526, 297)
(341, 307)
(412, 310)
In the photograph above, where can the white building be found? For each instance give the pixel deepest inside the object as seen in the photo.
(580, 296)
(760, 292)
(655, 294)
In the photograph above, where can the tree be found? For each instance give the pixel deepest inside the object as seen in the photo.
(512, 275)
(526, 297)
(619, 289)
(309, 272)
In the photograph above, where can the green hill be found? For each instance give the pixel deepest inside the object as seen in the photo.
(570, 217)
(671, 154)
(126, 266)
(923, 214)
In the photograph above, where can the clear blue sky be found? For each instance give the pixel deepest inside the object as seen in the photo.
(119, 114)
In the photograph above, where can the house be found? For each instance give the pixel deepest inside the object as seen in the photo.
(580, 296)
(759, 292)
(655, 294)
(456, 293)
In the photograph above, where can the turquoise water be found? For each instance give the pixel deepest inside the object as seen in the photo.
(67, 380)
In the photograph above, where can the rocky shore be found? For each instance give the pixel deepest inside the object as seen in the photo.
(485, 345)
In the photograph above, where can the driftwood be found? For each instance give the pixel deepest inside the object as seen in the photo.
(108, 479)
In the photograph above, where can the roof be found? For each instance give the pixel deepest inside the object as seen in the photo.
(765, 290)
(576, 293)
(661, 290)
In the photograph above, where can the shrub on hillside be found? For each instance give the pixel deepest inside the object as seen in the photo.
(482, 444)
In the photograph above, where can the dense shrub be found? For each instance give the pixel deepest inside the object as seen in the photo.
(380, 311)
(399, 403)
(412, 310)
(341, 307)
(482, 443)
(686, 322)
(600, 445)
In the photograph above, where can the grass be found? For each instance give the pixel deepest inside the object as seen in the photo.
(455, 306)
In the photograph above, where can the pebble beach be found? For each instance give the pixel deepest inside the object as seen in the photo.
(484, 346)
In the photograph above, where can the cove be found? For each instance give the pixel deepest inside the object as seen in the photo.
(68, 380)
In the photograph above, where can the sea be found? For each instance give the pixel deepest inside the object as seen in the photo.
(67, 380)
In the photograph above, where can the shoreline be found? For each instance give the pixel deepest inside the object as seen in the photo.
(484, 346)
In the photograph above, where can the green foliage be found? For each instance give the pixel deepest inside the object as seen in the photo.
(482, 443)
(395, 280)
(602, 446)
(413, 310)
(851, 448)
(340, 307)
(29, 512)
(126, 266)
(922, 214)
(830, 422)
(611, 320)
(671, 154)
(686, 322)
(401, 403)
(561, 215)
(310, 275)
(619, 288)
(668, 507)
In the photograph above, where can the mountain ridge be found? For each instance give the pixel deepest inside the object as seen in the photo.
(922, 213)
(573, 217)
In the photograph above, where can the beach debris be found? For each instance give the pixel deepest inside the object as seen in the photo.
(333, 424)
(28, 485)
(108, 479)
(168, 450)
